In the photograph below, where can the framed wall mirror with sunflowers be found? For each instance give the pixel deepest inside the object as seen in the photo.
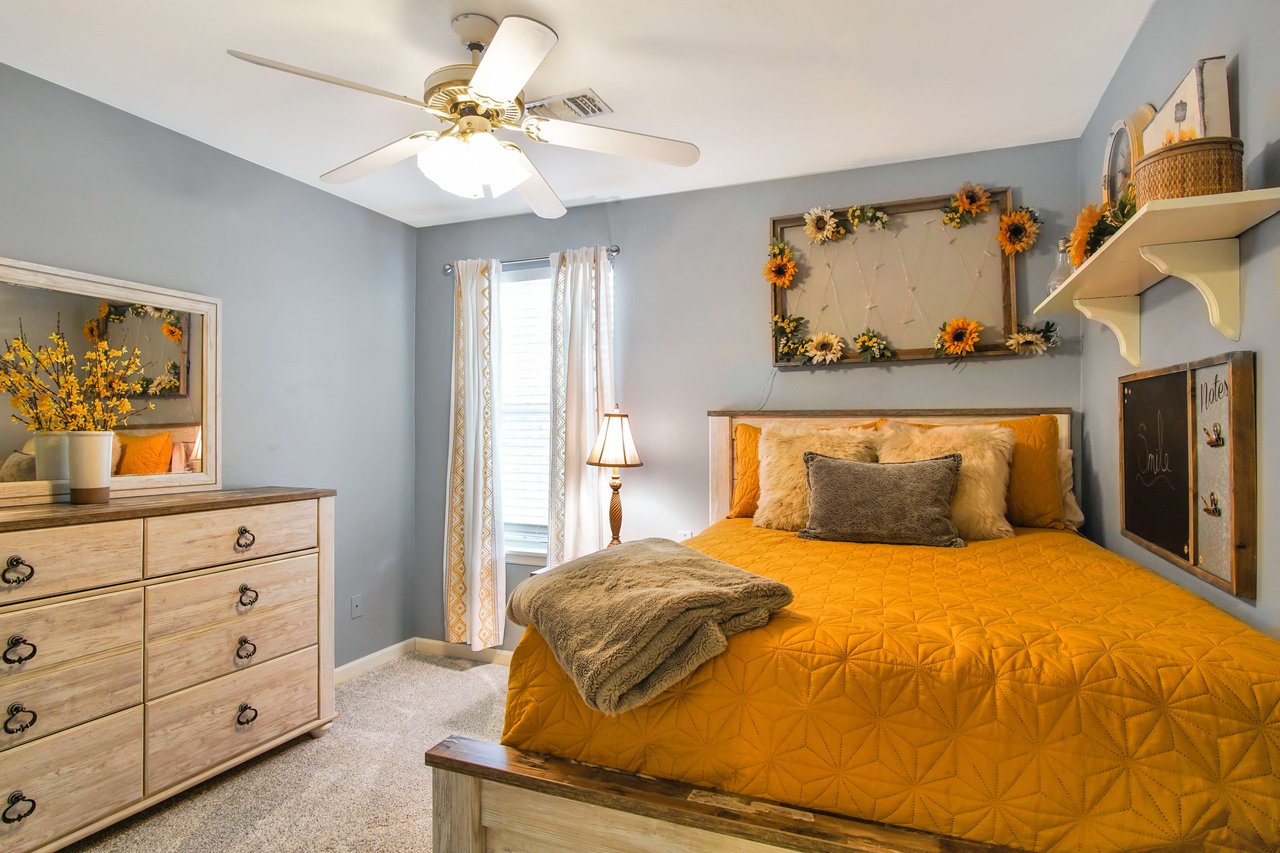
(135, 365)
(906, 280)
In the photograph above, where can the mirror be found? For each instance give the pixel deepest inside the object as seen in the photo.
(165, 427)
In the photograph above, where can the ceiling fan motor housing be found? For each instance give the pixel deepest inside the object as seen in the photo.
(448, 90)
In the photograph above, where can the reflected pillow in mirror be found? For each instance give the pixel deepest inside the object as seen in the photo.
(18, 468)
(145, 454)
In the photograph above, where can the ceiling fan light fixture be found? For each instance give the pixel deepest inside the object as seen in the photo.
(465, 164)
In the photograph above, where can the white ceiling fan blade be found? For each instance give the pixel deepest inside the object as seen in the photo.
(325, 78)
(538, 193)
(387, 155)
(607, 140)
(517, 50)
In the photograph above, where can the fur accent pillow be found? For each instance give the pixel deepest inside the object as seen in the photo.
(784, 483)
(978, 510)
(891, 503)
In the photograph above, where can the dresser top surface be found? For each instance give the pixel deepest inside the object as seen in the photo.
(62, 515)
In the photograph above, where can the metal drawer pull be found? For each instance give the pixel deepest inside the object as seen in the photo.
(17, 571)
(246, 649)
(247, 714)
(245, 539)
(19, 807)
(14, 653)
(248, 595)
(20, 719)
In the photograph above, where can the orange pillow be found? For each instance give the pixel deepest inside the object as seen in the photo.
(145, 454)
(746, 468)
(1035, 488)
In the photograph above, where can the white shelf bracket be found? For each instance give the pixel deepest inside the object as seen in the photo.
(1120, 314)
(1213, 268)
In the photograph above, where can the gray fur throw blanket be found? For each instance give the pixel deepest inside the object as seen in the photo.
(629, 621)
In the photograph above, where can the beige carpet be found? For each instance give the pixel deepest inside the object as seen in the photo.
(361, 787)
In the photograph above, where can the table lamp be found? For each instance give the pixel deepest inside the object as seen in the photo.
(615, 449)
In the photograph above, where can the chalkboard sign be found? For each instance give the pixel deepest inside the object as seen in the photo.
(1188, 467)
(1156, 462)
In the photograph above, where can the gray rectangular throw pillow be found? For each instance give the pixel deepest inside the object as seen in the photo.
(893, 503)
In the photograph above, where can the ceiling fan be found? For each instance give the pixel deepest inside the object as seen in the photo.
(477, 99)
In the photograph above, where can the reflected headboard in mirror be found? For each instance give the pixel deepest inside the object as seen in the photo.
(171, 440)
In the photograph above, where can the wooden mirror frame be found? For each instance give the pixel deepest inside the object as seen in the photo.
(118, 290)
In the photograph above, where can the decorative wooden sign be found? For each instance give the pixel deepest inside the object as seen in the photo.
(904, 280)
(1188, 467)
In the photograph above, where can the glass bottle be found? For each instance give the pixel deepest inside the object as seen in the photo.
(1063, 270)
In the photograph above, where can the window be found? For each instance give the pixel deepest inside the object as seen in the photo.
(525, 439)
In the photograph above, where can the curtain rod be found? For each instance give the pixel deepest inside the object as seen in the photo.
(613, 251)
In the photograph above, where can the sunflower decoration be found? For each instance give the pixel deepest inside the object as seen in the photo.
(93, 330)
(824, 348)
(967, 205)
(865, 214)
(1018, 230)
(870, 345)
(789, 341)
(1033, 340)
(1096, 223)
(822, 226)
(957, 338)
(173, 332)
(780, 269)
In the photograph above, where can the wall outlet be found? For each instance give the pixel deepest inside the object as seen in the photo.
(357, 608)
(682, 535)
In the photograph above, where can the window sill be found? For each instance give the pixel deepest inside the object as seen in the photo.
(526, 558)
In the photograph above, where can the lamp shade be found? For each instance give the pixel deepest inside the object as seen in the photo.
(614, 447)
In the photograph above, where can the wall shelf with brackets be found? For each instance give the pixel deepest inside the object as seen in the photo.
(1195, 239)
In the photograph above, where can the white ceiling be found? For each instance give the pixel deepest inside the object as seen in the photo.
(766, 88)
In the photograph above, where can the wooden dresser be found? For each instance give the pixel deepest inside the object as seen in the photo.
(151, 643)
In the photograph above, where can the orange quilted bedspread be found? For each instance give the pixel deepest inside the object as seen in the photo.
(1038, 692)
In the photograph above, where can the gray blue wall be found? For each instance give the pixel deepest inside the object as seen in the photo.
(318, 374)
(1175, 327)
(693, 325)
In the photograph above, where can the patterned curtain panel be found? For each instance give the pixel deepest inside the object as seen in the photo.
(581, 389)
(475, 570)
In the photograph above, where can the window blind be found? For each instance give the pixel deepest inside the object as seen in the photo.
(525, 427)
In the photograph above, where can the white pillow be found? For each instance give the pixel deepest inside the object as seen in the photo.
(986, 451)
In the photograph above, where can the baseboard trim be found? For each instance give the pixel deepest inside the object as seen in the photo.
(419, 645)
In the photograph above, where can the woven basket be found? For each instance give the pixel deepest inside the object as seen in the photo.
(1198, 167)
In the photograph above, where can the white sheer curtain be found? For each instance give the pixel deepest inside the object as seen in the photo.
(582, 386)
(475, 559)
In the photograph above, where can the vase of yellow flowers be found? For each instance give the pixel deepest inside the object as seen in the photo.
(96, 400)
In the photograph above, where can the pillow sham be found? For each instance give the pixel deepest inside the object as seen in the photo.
(1072, 515)
(784, 484)
(1035, 496)
(746, 466)
(746, 471)
(145, 454)
(978, 509)
(891, 503)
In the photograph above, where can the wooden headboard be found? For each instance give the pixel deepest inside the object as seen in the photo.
(720, 433)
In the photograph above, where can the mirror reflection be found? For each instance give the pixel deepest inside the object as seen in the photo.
(75, 362)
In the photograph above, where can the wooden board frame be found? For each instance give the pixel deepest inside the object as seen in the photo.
(488, 797)
(721, 450)
(1241, 444)
(1001, 202)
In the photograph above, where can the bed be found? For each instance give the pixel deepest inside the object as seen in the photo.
(1036, 693)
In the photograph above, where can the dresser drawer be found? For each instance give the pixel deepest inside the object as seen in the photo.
(198, 540)
(32, 706)
(54, 560)
(38, 638)
(188, 605)
(183, 660)
(191, 731)
(74, 778)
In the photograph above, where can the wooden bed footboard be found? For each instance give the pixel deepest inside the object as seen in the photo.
(489, 797)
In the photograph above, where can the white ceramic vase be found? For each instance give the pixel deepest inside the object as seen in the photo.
(51, 455)
(89, 457)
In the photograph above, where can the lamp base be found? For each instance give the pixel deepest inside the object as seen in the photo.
(615, 508)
